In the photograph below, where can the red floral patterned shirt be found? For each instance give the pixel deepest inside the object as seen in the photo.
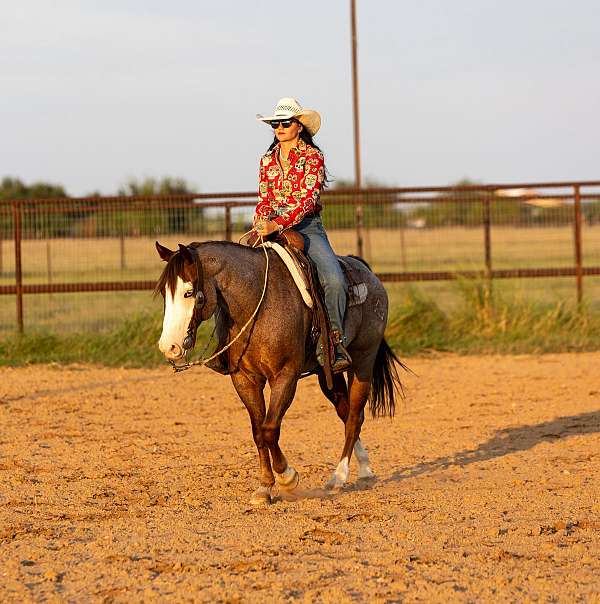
(286, 196)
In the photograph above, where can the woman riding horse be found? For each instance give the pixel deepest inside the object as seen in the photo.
(265, 321)
(291, 176)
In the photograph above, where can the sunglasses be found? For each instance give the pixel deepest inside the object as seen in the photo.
(284, 123)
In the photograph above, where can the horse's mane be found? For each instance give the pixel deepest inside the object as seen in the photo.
(174, 269)
(175, 265)
(169, 275)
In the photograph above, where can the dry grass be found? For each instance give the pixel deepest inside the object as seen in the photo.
(456, 248)
(450, 248)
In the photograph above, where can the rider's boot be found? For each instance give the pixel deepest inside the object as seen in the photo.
(342, 359)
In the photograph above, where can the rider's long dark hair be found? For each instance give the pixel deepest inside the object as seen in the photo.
(308, 139)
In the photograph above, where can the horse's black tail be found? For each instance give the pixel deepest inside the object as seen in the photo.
(385, 382)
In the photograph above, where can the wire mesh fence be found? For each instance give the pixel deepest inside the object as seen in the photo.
(85, 264)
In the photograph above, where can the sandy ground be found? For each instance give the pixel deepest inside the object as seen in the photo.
(133, 485)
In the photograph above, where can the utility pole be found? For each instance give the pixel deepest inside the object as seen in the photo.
(355, 111)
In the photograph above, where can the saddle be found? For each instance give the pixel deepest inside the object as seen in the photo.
(293, 243)
(287, 238)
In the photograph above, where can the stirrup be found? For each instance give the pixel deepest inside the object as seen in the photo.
(341, 363)
(342, 360)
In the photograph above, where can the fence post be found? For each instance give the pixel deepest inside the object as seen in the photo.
(122, 249)
(228, 227)
(17, 213)
(403, 246)
(48, 261)
(487, 237)
(358, 215)
(578, 254)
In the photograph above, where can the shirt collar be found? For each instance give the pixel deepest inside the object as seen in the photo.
(301, 146)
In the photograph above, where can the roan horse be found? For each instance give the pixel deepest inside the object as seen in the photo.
(226, 280)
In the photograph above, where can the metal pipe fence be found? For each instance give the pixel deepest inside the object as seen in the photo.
(103, 246)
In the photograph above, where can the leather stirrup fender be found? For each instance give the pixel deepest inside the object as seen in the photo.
(291, 238)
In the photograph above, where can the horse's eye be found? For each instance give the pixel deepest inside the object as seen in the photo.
(189, 293)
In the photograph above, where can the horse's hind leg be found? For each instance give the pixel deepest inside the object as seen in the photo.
(338, 396)
(252, 396)
(362, 456)
(358, 395)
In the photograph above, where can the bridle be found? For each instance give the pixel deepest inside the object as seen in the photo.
(190, 339)
(200, 300)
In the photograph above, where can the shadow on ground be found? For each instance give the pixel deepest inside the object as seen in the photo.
(509, 440)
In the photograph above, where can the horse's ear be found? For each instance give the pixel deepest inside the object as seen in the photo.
(164, 252)
(185, 252)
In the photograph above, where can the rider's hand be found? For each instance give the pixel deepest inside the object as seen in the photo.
(265, 227)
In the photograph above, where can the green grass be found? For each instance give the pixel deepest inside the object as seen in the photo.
(490, 321)
(464, 317)
(83, 312)
(132, 344)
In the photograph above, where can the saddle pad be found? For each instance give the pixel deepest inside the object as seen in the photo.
(357, 294)
(357, 290)
(296, 274)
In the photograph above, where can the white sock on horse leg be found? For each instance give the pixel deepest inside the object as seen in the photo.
(340, 476)
(362, 456)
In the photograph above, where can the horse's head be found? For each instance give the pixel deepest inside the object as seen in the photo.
(189, 300)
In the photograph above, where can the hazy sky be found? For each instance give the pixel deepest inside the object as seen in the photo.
(95, 92)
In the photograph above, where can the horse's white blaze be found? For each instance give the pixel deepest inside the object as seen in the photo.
(362, 456)
(178, 314)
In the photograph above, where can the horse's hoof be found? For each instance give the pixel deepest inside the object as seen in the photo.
(334, 484)
(262, 496)
(288, 480)
(365, 473)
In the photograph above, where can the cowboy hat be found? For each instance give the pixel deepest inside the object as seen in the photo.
(288, 108)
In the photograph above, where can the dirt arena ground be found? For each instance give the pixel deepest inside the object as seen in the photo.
(133, 486)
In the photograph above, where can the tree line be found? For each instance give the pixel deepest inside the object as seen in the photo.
(449, 208)
(95, 219)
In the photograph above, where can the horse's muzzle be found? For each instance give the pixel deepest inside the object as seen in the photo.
(174, 352)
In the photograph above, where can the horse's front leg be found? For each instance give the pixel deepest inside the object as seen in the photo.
(283, 389)
(251, 393)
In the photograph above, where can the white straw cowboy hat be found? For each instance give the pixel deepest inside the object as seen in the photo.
(288, 108)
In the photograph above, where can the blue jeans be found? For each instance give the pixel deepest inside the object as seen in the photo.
(331, 277)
